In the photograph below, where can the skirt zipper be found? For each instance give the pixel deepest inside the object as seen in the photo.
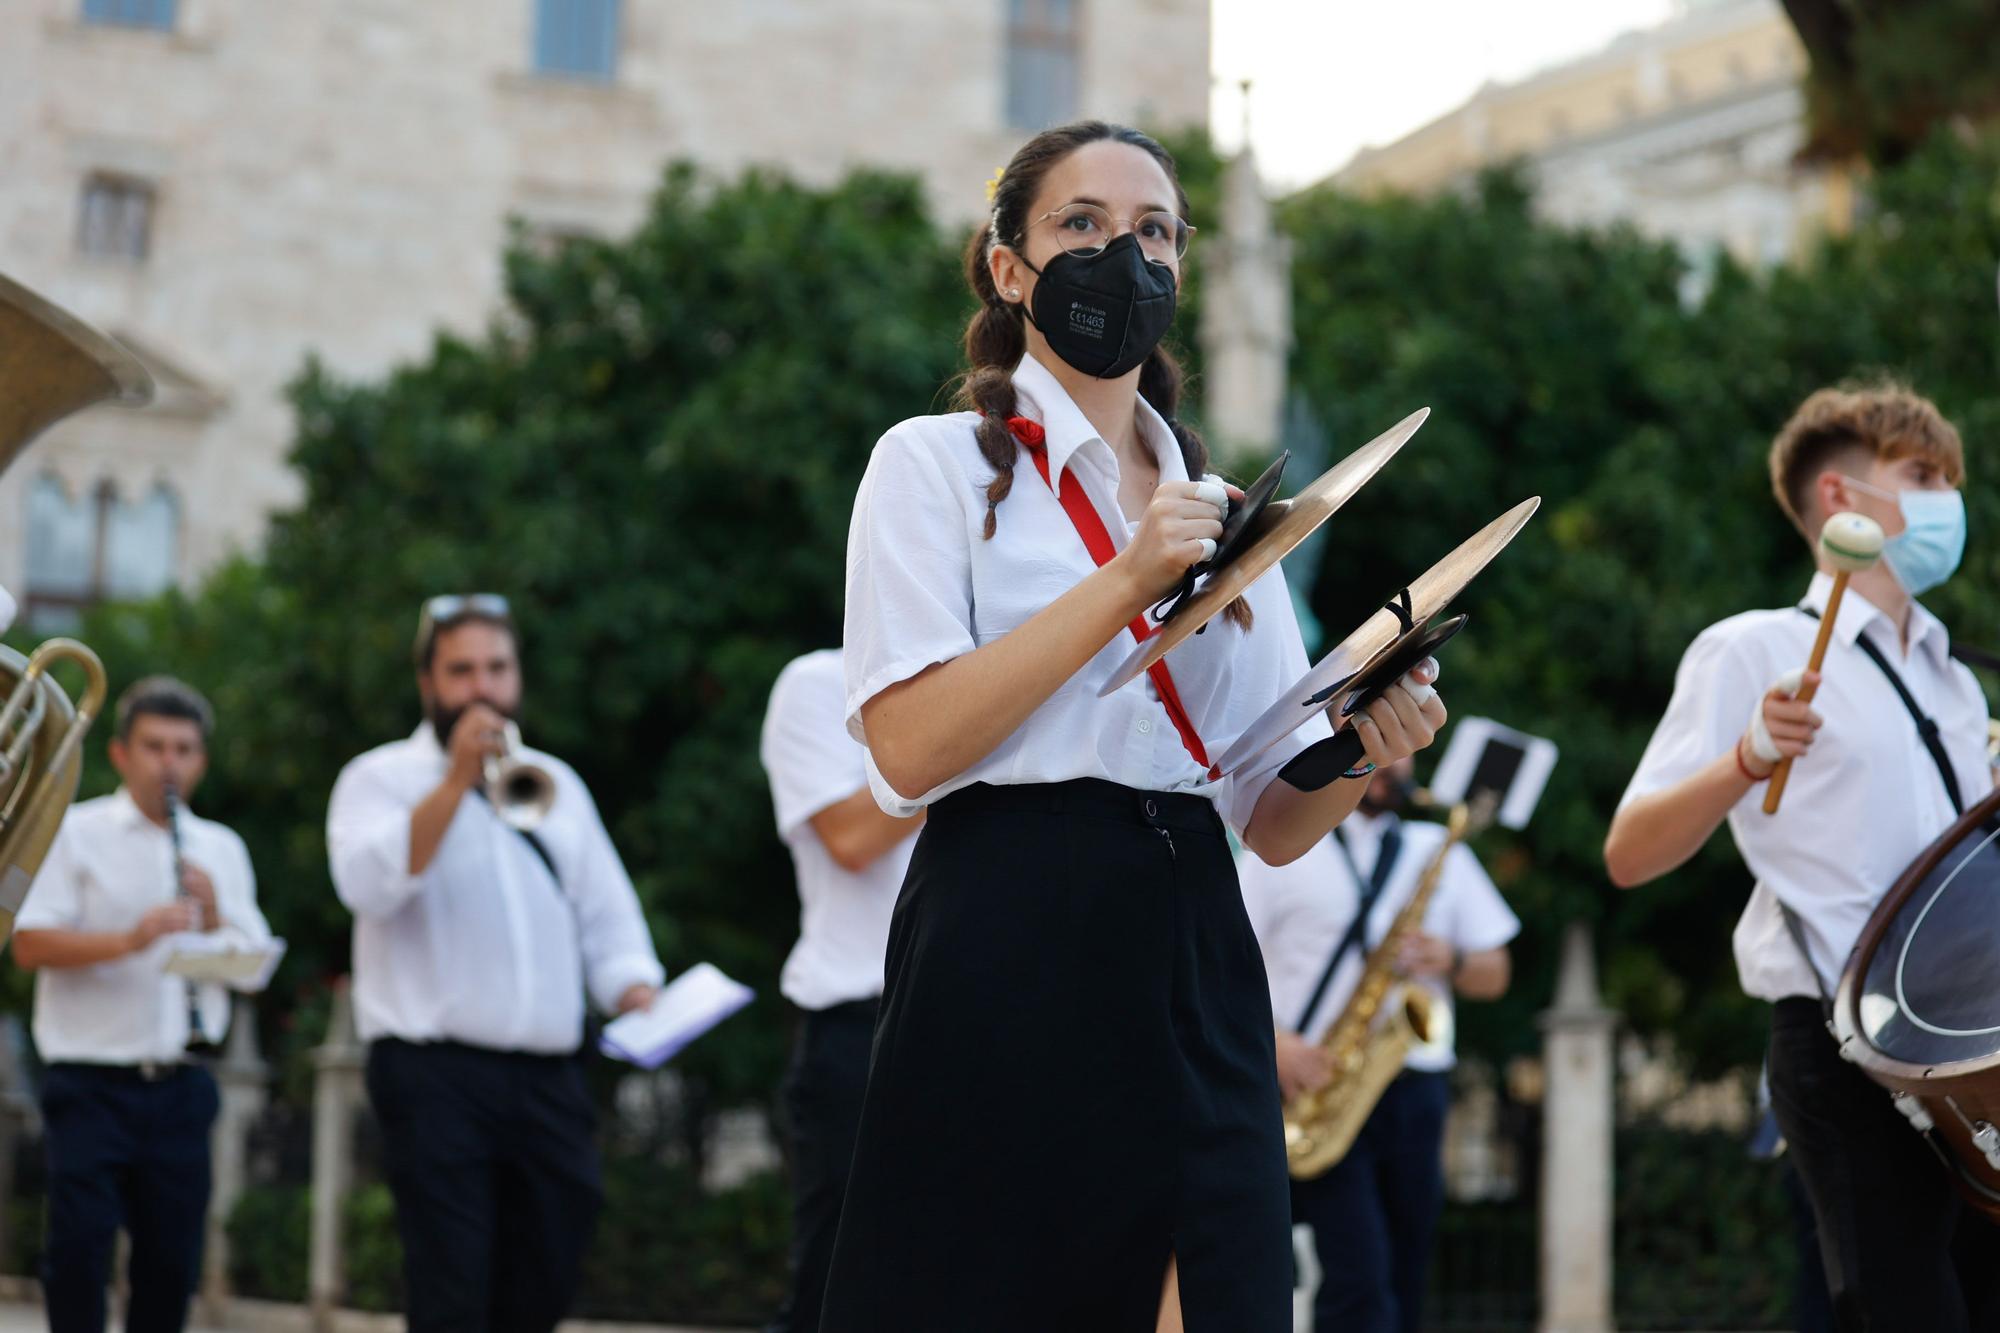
(1172, 855)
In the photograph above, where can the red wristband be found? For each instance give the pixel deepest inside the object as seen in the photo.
(1744, 768)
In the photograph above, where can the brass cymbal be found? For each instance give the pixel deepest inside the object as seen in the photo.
(1282, 526)
(1349, 664)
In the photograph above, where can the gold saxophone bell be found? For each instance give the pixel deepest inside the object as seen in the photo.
(520, 791)
(51, 364)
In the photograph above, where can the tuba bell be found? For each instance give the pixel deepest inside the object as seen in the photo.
(51, 364)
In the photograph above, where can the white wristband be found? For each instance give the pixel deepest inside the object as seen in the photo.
(1761, 743)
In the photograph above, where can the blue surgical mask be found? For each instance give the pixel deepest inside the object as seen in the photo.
(1927, 551)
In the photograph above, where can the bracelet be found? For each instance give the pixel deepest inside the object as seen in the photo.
(1744, 768)
(1360, 771)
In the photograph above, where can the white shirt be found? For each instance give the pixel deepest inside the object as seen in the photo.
(813, 763)
(1301, 911)
(108, 866)
(1860, 805)
(484, 947)
(924, 586)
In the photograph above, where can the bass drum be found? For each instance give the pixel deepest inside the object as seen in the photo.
(1919, 1004)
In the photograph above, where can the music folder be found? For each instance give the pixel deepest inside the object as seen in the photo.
(690, 1005)
(213, 957)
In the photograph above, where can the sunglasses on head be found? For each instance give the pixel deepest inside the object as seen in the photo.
(450, 606)
(446, 609)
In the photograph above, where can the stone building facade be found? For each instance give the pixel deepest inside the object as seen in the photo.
(231, 185)
(1687, 130)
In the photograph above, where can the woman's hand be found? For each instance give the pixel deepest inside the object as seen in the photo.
(1180, 528)
(1404, 720)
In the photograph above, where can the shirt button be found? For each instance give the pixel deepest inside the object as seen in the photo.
(1145, 726)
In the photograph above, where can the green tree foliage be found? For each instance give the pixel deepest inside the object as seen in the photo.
(654, 454)
(1566, 364)
(1884, 73)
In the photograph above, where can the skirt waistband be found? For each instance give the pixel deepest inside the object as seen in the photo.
(1093, 797)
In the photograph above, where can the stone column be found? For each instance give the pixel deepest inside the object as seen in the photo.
(1577, 1116)
(337, 1092)
(1246, 322)
(243, 1079)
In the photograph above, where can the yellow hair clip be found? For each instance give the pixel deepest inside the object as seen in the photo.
(993, 186)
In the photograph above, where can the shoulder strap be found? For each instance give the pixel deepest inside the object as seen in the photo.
(1927, 727)
(1367, 891)
(1084, 518)
(528, 836)
(1927, 731)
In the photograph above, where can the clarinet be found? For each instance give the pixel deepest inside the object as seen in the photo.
(170, 797)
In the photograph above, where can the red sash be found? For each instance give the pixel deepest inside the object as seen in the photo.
(1083, 515)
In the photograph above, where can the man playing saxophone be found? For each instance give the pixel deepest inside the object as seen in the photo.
(1318, 921)
(128, 1112)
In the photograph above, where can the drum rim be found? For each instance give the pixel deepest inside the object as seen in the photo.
(1853, 1039)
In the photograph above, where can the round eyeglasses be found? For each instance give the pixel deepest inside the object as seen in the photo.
(1085, 229)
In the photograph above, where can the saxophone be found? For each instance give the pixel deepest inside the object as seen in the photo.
(1321, 1125)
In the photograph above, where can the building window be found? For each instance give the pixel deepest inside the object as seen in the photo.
(1041, 63)
(96, 546)
(116, 219)
(131, 13)
(576, 39)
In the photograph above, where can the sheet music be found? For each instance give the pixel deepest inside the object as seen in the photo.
(210, 957)
(690, 1005)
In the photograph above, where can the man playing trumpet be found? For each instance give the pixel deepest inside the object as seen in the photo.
(476, 937)
(1866, 795)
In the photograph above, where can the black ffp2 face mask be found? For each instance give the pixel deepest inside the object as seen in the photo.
(1105, 314)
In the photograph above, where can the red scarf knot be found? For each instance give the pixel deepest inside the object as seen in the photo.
(1028, 432)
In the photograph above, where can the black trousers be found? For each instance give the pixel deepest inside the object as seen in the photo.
(1073, 1079)
(822, 1101)
(125, 1151)
(492, 1159)
(1373, 1216)
(1901, 1252)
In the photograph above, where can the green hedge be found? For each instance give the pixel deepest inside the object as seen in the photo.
(1704, 1236)
(664, 1250)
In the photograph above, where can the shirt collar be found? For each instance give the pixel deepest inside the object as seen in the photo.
(424, 741)
(127, 811)
(1068, 429)
(1857, 613)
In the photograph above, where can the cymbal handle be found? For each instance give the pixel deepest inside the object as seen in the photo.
(1782, 774)
(1323, 761)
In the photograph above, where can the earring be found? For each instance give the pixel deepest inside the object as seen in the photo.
(1013, 292)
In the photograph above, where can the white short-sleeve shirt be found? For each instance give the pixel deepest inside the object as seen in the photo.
(1860, 805)
(924, 586)
(1301, 911)
(813, 763)
(109, 866)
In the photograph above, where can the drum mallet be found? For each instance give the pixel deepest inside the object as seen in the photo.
(1849, 543)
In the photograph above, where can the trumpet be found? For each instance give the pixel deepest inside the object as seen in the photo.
(51, 364)
(520, 791)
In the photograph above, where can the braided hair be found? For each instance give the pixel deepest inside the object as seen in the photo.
(996, 337)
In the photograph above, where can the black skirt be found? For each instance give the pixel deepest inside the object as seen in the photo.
(1072, 1079)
